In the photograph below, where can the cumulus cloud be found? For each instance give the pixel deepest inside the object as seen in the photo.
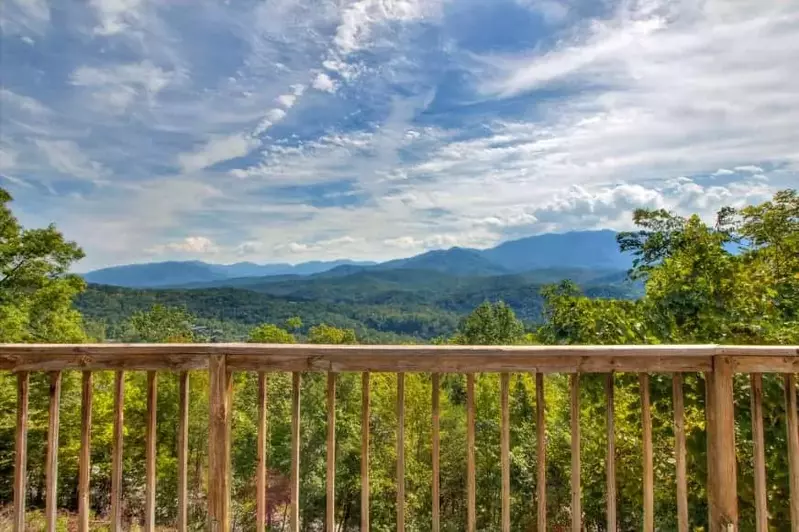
(749, 168)
(217, 150)
(322, 82)
(190, 245)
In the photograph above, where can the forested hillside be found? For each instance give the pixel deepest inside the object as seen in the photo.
(695, 291)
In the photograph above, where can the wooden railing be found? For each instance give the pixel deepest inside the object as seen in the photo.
(718, 363)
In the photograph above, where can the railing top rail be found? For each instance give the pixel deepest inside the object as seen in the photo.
(393, 358)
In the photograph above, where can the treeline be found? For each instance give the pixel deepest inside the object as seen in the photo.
(735, 281)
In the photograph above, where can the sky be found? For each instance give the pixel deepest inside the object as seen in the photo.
(294, 130)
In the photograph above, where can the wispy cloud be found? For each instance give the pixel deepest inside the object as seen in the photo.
(295, 130)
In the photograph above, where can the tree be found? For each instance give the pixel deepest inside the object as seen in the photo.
(269, 333)
(36, 290)
(162, 324)
(490, 324)
(327, 334)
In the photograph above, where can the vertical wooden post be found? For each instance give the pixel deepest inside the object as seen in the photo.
(116, 452)
(21, 452)
(84, 461)
(330, 514)
(541, 449)
(400, 452)
(793, 446)
(648, 471)
(577, 510)
(183, 453)
(260, 468)
(436, 455)
(505, 450)
(679, 452)
(610, 468)
(759, 453)
(294, 517)
(365, 451)
(219, 390)
(51, 461)
(150, 451)
(471, 482)
(722, 484)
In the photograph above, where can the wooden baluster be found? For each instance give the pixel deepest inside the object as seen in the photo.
(365, 451)
(151, 454)
(84, 461)
(793, 446)
(679, 452)
(759, 453)
(260, 471)
(610, 470)
(471, 484)
(51, 460)
(183, 452)
(722, 483)
(436, 455)
(505, 450)
(541, 448)
(330, 523)
(294, 518)
(648, 471)
(116, 452)
(220, 392)
(400, 452)
(577, 511)
(21, 452)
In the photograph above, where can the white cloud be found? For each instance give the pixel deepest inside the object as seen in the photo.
(217, 150)
(322, 82)
(249, 248)
(21, 102)
(723, 171)
(8, 158)
(286, 100)
(66, 157)
(114, 16)
(116, 88)
(20, 17)
(189, 245)
(332, 245)
(749, 168)
(357, 20)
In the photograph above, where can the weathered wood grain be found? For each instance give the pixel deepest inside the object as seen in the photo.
(219, 390)
(680, 452)
(21, 452)
(330, 485)
(150, 451)
(648, 469)
(436, 452)
(505, 449)
(260, 466)
(541, 450)
(610, 459)
(51, 460)
(365, 381)
(759, 453)
(722, 482)
(116, 451)
(792, 414)
(84, 459)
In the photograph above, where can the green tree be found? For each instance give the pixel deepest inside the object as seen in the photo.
(327, 334)
(490, 324)
(36, 290)
(269, 333)
(162, 324)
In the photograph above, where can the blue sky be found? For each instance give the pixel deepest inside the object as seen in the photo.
(291, 130)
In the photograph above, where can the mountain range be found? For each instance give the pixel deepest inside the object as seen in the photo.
(595, 251)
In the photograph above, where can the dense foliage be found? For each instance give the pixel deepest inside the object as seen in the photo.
(736, 281)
